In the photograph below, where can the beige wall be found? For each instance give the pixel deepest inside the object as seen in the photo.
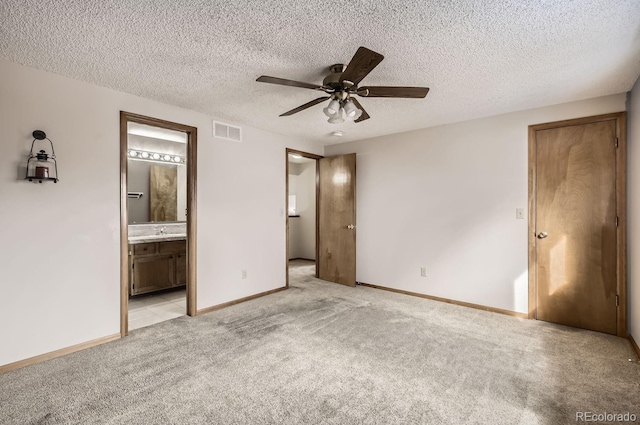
(60, 242)
(445, 198)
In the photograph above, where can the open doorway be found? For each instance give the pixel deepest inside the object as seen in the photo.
(302, 214)
(157, 221)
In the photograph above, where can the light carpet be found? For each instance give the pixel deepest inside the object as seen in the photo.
(322, 353)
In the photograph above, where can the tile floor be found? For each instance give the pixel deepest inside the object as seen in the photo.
(149, 309)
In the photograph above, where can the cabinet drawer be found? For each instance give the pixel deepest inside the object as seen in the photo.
(144, 248)
(173, 246)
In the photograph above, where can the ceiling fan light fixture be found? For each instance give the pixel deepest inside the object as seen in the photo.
(337, 118)
(350, 109)
(334, 106)
(342, 83)
(327, 113)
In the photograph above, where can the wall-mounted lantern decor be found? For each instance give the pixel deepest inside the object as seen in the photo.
(42, 166)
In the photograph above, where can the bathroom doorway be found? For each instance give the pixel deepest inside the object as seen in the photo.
(158, 173)
(302, 213)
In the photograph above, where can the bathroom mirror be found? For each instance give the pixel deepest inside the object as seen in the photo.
(156, 175)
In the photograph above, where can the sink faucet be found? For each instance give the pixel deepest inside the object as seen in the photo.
(162, 231)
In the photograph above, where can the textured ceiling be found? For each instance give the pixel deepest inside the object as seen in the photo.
(479, 58)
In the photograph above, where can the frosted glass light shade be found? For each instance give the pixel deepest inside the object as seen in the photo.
(337, 117)
(327, 113)
(350, 109)
(334, 106)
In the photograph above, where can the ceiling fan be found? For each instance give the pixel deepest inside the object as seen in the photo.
(342, 84)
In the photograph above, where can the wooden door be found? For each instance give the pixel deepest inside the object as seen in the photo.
(337, 219)
(576, 225)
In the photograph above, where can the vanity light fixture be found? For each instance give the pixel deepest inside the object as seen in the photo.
(156, 157)
(42, 166)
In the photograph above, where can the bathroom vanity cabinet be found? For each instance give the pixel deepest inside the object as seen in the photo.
(154, 266)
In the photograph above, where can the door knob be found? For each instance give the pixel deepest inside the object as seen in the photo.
(351, 226)
(542, 235)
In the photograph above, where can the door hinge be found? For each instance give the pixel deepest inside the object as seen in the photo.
(617, 301)
(617, 144)
(617, 221)
(133, 266)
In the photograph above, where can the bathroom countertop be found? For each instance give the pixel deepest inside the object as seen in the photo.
(156, 238)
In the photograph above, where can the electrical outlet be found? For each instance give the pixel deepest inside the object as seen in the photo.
(423, 271)
(520, 213)
(244, 274)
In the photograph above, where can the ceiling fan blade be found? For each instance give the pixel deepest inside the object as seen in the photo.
(383, 91)
(361, 65)
(291, 83)
(305, 106)
(364, 115)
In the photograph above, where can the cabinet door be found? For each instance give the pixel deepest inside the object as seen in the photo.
(181, 269)
(152, 273)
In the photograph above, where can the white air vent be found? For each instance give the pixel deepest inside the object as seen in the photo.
(226, 131)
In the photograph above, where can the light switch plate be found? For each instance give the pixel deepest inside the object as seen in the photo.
(520, 213)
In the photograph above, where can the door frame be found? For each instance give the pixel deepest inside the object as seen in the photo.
(286, 211)
(621, 210)
(192, 141)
